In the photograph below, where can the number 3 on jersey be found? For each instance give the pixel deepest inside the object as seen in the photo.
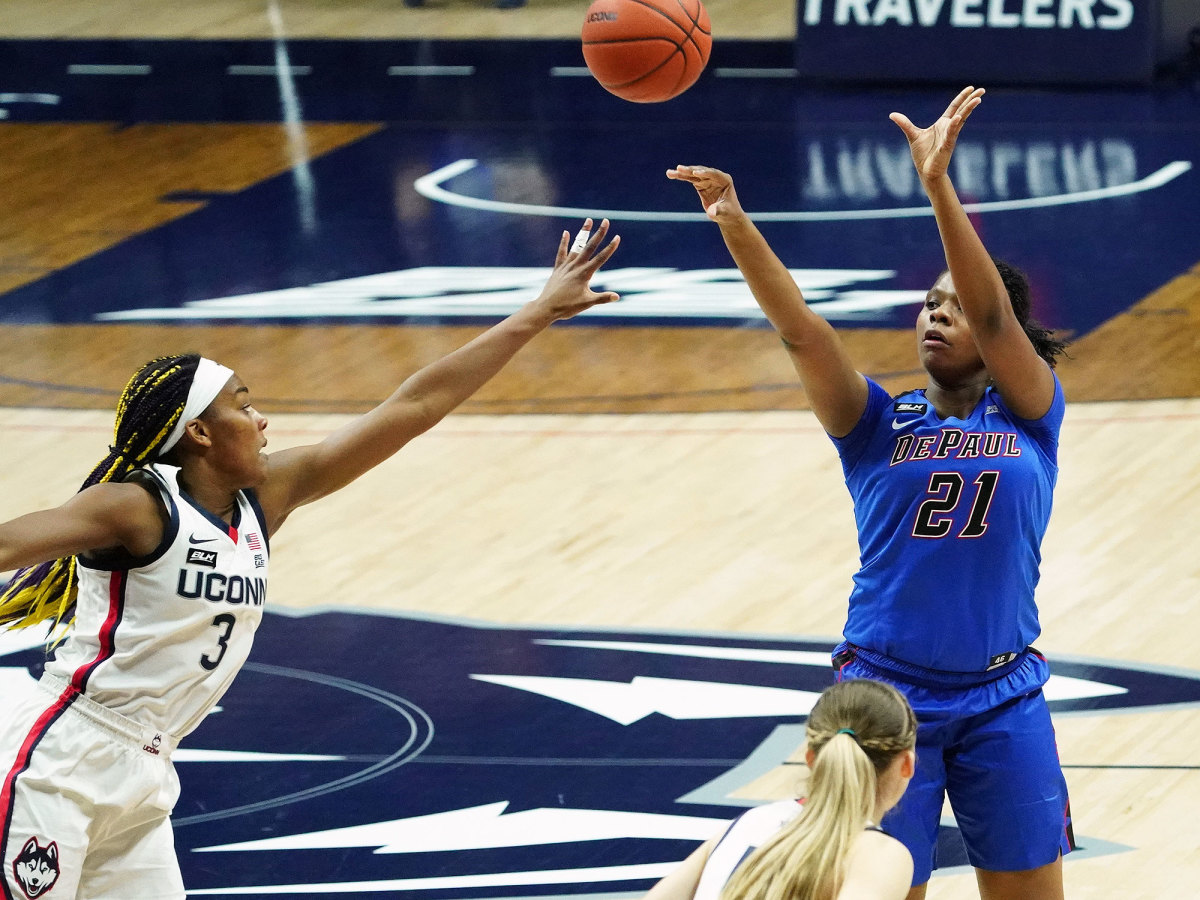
(935, 515)
(225, 621)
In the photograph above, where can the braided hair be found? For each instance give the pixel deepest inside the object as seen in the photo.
(147, 411)
(1048, 346)
(855, 730)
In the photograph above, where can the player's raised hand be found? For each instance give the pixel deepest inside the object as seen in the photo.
(933, 146)
(568, 292)
(716, 191)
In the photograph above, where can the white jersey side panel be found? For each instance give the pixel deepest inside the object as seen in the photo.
(747, 832)
(160, 641)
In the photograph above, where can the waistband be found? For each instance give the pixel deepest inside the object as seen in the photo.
(845, 652)
(141, 737)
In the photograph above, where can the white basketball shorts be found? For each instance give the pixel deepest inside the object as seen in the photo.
(85, 801)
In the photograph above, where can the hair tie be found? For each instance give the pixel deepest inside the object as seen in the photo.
(849, 731)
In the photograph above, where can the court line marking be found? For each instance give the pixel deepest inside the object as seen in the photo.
(420, 71)
(420, 736)
(592, 875)
(21, 97)
(269, 71)
(107, 69)
(430, 187)
(749, 72)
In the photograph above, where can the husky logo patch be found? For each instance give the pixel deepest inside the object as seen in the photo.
(36, 868)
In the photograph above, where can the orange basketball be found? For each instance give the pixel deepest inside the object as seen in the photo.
(646, 51)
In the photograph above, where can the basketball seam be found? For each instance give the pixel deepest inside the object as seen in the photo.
(646, 75)
(639, 40)
(633, 40)
(695, 25)
(687, 37)
(650, 6)
(682, 75)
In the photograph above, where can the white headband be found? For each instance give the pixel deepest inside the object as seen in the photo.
(209, 380)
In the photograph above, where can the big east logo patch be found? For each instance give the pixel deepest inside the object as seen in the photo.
(371, 754)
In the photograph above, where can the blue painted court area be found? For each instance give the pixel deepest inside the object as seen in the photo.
(371, 754)
(451, 212)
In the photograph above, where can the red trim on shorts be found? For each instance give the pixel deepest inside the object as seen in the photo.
(841, 660)
(20, 764)
(116, 606)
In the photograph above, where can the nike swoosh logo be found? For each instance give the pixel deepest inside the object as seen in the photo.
(192, 539)
(896, 426)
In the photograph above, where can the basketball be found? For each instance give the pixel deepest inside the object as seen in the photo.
(646, 51)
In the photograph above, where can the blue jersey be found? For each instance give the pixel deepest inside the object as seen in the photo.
(951, 514)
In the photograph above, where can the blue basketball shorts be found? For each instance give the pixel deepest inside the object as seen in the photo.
(990, 749)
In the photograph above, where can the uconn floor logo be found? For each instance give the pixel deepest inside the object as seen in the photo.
(374, 754)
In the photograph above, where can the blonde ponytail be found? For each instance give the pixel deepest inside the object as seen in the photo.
(854, 731)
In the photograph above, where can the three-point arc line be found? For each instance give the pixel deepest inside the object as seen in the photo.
(430, 186)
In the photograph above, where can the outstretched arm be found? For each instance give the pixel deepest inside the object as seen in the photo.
(100, 517)
(1021, 376)
(303, 474)
(837, 392)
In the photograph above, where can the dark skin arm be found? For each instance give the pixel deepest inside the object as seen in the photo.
(127, 516)
(1022, 377)
(303, 474)
(835, 389)
(101, 517)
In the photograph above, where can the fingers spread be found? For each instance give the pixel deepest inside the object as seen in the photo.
(596, 238)
(968, 97)
(957, 101)
(603, 256)
(972, 102)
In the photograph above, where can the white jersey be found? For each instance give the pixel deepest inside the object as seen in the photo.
(160, 638)
(746, 833)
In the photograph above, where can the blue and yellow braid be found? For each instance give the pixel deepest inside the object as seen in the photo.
(147, 410)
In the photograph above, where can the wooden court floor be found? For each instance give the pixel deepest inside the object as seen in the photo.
(692, 491)
(752, 19)
(739, 522)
